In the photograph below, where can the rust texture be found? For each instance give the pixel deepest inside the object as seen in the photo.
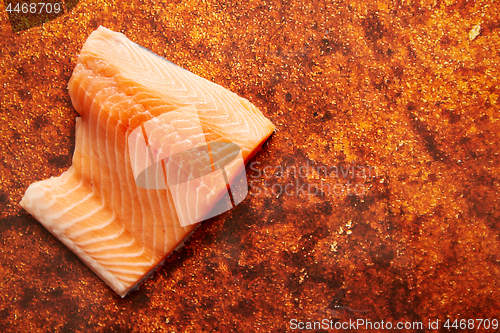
(405, 93)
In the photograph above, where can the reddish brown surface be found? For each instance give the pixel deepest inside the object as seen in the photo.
(405, 87)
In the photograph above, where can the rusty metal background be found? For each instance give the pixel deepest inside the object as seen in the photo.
(407, 91)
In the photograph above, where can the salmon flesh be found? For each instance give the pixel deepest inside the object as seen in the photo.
(158, 149)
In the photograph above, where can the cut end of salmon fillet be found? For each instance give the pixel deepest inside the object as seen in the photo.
(143, 116)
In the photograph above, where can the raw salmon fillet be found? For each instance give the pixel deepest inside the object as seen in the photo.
(119, 229)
